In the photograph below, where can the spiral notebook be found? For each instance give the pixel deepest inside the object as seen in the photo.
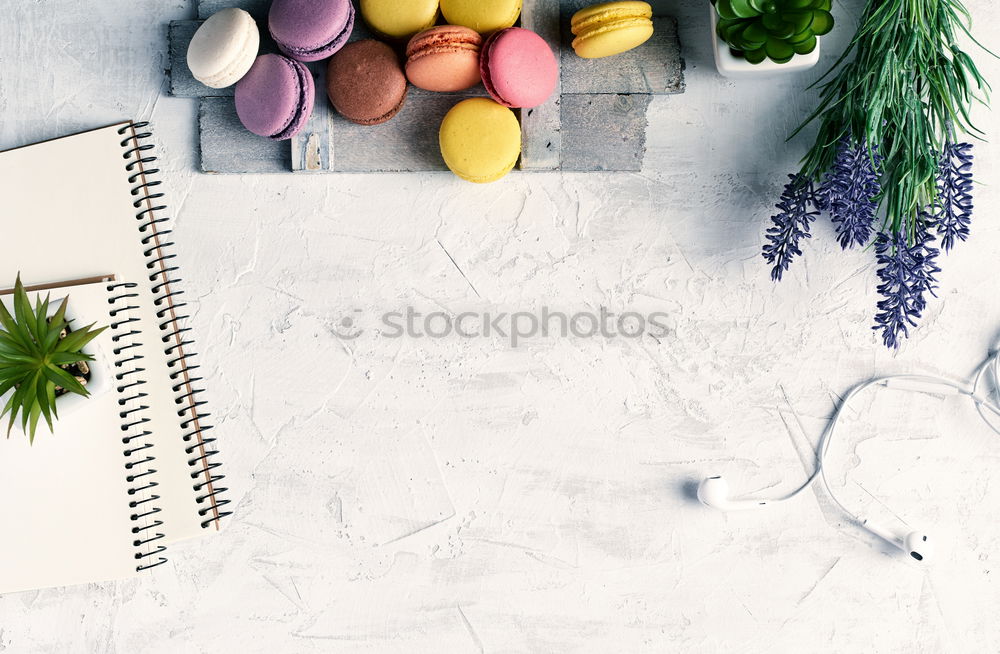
(135, 469)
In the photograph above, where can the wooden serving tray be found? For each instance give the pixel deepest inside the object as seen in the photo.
(596, 120)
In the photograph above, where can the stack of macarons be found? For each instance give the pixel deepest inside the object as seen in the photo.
(437, 45)
(480, 138)
(275, 93)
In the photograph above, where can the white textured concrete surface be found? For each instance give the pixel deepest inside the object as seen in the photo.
(457, 495)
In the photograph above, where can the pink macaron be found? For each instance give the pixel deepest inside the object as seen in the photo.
(276, 97)
(518, 68)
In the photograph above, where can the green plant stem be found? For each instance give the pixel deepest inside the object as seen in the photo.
(907, 89)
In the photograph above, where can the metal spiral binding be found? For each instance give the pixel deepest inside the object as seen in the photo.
(137, 452)
(160, 261)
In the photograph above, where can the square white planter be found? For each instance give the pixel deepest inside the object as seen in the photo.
(100, 376)
(737, 67)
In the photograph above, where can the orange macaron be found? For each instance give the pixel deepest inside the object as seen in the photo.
(444, 58)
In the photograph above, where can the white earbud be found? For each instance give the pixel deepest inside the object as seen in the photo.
(714, 492)
(916, 543)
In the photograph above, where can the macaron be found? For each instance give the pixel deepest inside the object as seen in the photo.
(444, 58)
(611, 28)
(399, 19)
(366, 83)
(224, 48)
(276, 97)
(310, 30)
(518, 68)
(480, 140)
(484, 16)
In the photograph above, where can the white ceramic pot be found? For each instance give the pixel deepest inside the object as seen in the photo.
(737, 67)
(101, 376)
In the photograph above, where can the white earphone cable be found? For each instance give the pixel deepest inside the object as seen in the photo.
(918, 383)
(993, 361)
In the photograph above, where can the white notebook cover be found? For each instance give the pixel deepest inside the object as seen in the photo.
(77, 207)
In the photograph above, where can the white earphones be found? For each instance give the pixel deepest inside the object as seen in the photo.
(714, 491)
(916, 543)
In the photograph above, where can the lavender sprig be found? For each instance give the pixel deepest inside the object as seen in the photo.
(850, 192)
(954, 204)
(929, 269)
(907, 273)
(790, 225)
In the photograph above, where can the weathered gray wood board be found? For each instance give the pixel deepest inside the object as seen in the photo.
(408, 142)
(257, 8)
(222, 136)
(541, 128)
(182, 83)
(312, 149)
(596, 119)
(588, 143)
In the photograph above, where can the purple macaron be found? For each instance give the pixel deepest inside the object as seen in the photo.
(310, 30)
(275, 98)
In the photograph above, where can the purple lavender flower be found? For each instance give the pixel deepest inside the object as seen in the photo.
(953, 210)
(927, 272)
(790, 225)
(850, 190)
(907, 273)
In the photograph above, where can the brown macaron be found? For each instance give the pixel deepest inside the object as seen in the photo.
(366, 83)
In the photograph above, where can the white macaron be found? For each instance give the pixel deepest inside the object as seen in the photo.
(224, 48)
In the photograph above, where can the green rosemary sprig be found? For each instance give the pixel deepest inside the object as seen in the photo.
(906, 91)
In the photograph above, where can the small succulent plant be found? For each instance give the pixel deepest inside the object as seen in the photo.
(772, 29)
(38, 354)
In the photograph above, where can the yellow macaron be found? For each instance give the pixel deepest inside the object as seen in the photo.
(611, 28)
(399, 20)
(480, 140)
(484, 16)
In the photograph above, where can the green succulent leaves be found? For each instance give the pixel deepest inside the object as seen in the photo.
(32, 353)
(773, 29)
